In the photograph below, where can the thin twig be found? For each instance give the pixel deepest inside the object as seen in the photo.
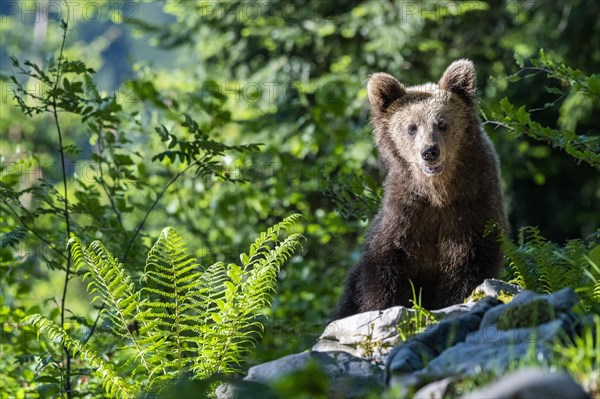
(102, 182)
(66, 211)
(32, 231)
(498, 124)
(158, 198)
(91, 332)
(553, 103)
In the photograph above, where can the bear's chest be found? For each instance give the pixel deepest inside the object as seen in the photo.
(437, 238)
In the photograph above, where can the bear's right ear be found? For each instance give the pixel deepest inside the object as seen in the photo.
(383, 89)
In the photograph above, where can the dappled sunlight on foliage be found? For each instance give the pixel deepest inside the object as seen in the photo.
(221, 118)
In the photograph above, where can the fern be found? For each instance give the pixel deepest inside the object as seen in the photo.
(185, 318)
(593, 273)
(543, 266)
(108, 281)
(114, 288)
(111, 382)
(172, 278)
(257, 277)
(13, 238)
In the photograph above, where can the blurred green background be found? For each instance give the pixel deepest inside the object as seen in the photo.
(289, 75)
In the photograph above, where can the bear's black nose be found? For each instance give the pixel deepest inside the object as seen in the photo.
(430, 153)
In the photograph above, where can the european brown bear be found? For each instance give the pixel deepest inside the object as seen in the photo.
(441, 190)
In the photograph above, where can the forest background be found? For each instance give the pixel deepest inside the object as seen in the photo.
(289, 76)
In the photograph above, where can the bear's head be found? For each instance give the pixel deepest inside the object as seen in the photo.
(426, 125)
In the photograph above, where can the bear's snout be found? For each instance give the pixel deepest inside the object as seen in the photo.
(430, 153)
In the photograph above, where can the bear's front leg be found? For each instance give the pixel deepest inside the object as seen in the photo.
(378, 282)
(485, 262)
(385, 279)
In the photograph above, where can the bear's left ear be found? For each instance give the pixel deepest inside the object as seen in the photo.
(460, 79)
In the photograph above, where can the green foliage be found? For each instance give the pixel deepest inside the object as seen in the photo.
(307, 383)
(420, 319)
(184, 318)
(114, 385)
(543, 266)
(290, 77)
(520, 122)
(581, 357)
(476, 296)
(102, 186)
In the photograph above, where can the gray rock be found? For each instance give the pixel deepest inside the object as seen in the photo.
(328, 345)
(452, 311)
(378, 329)
(409, 357)
(440, 336)
(491, 317)
(226, 391)
(289, 364)
(349, 376)
(493, 287)
(417, 351)
(377, 324)
(243, 389)
(464, 342)
(435, 390)
(484, 305)
(492, 336)
(531, 384)
(562, 301)
(523, 297)
(467, 359)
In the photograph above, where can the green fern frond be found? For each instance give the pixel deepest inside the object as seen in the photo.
(108, 281)
(543, 266)
(13, 238)
(247, 291)
(113, 287)
(172, 272)
(114, 385)
(593, 273)
(517, 263)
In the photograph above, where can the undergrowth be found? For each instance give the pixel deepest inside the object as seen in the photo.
(185, 319)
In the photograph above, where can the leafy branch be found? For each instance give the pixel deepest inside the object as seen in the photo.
(518, 120)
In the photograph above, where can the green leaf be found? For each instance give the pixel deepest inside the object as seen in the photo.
(505, 105)
(594, 84)
(216, 318)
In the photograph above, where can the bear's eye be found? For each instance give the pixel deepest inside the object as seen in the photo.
(442, 125)
(412, 129)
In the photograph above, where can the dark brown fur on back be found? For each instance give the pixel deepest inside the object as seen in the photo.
(437, 201)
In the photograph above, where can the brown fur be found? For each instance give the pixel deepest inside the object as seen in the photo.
(430, 228)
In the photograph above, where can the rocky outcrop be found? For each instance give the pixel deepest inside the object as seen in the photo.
(372, 350)
(531, 384)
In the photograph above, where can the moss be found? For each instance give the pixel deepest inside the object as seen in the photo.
(477, 295)
(528, 314)
(504, 297)
(368, 346)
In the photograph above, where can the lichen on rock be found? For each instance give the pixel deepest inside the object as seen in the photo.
(529, 314)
